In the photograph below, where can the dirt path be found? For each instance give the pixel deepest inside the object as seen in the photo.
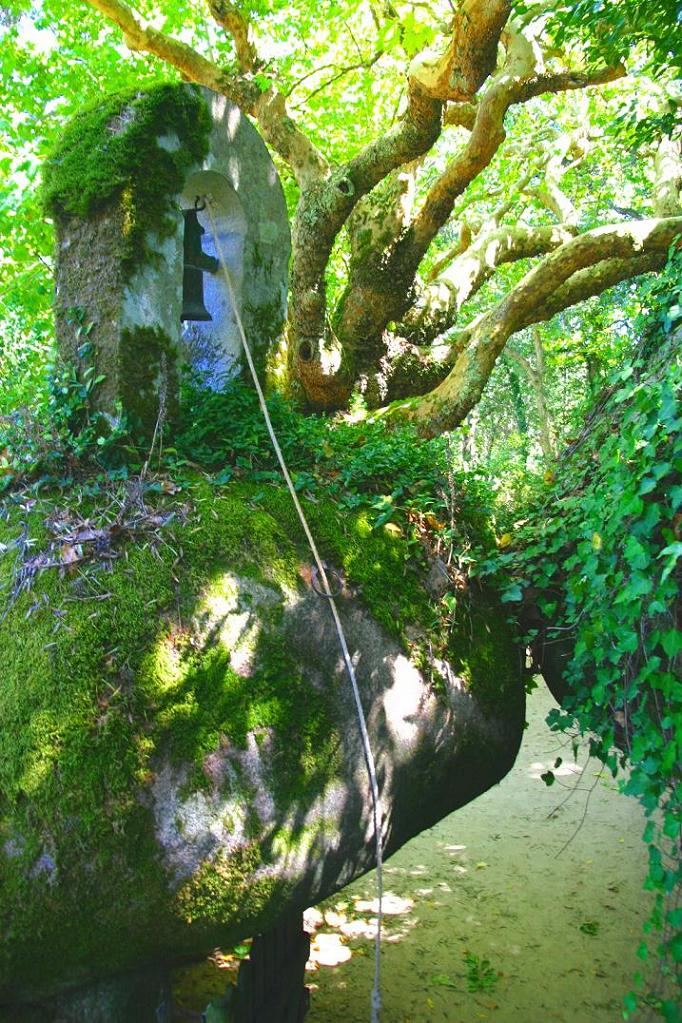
(483, 901)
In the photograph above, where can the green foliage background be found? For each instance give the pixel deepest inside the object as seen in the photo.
(611, 581)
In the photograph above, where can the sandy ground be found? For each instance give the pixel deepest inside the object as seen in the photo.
(490, 900)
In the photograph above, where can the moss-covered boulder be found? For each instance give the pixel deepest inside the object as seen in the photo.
(180, 761)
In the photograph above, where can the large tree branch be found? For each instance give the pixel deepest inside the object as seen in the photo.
(593, 280)
(323, 210)
(141, 36)
(476, 28)
(461, 115)
(471, 54)
(518, 81)
(440, 302)
(582, 267)
(268, 108)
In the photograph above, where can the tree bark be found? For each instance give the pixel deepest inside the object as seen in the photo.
(536, 378)
(383, 290)
(330, 355)
(561, 279)
(439, 303)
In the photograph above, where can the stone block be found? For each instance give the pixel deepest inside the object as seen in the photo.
(116, 187)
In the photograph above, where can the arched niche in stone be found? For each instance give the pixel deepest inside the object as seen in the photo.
(214, 347)
(132, 307)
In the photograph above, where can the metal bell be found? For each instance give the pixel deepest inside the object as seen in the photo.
(196, 263)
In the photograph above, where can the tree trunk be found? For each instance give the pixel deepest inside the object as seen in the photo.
(519, 409)
(270, 986)
(537, 381)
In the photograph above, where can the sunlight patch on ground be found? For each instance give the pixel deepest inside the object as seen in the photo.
(564, 770)
(354, 922)
(327, 950)
(393, 905)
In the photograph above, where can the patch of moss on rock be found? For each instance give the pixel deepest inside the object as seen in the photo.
(478, 650)
(89, 709)
(106, 152)
(222, 889)
(147, 372)
(374, 561)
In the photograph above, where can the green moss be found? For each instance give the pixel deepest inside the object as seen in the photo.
(97, 692)
(105, 154)
(483, 650)
(373, 561)
(264, 324)
(286, 842)
(228, 886)
(147, 369)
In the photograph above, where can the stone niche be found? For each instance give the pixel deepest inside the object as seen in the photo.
(119, 288)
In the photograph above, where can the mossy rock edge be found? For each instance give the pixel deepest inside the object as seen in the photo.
(180, 761)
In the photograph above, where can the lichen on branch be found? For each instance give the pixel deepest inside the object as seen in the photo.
(562, 278)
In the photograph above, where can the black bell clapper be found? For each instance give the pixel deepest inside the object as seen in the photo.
(196, 263)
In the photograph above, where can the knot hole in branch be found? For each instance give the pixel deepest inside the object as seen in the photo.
(305, 351)
(345, 186)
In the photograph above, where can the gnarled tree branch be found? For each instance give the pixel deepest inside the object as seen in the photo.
(582, 267)
(385, 290)
(471, 54)
(517, 82)
(440, 302)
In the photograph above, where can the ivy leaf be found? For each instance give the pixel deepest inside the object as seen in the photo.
(671, 642)
(512, 593)
(647, 485)
(673, 551)
(635, 553)
(638, 586)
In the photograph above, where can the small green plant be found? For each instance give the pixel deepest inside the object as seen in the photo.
(63, 433)
(391, 473)
(481, 976)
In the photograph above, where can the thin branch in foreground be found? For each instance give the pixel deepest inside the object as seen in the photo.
(340, 74)
(585, 809)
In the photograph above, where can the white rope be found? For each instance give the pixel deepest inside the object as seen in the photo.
(369, 758)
